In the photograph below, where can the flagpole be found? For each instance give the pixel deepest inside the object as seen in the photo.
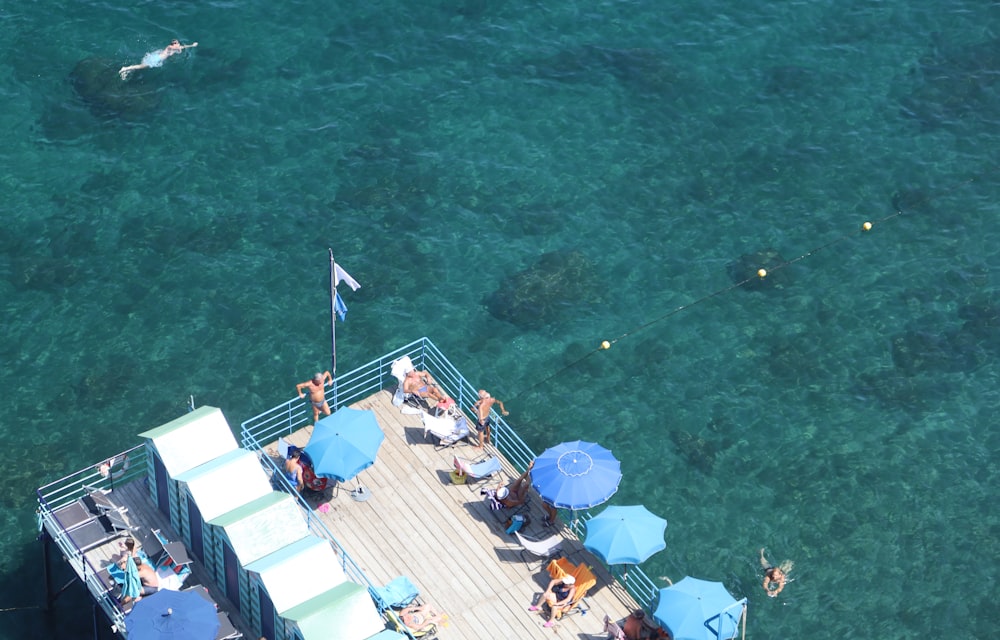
(333, 325)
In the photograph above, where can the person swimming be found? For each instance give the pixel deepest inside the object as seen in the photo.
(156, 58)
(775, 578)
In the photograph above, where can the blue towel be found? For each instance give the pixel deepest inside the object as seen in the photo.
(398, 593)
(132, 585)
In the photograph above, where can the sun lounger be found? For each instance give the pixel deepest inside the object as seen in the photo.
(446, 429)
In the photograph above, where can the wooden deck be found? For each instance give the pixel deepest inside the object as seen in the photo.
(144, 516)
(446, 540)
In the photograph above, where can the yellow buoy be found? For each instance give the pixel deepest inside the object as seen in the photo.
(605, 345)
(762, 273)
(867, 226)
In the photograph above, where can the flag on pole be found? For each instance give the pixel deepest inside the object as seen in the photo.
(342, 276)
(339, 307)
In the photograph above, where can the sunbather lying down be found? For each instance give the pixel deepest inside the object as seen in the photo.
(422, 384)
(420, 617)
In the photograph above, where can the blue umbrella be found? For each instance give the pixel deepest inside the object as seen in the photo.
(172, 615)
(576, 475)
(344, 444)
(625, 535)
(696, 609)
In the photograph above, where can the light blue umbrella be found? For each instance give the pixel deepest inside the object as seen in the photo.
(576, 475)
(625, 535)
(696, 609)
(344, 444)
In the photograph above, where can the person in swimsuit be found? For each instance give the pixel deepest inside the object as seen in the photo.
(147, 575)
(156, 58)
(559, 595)
(293, 470)
(422, 384)
(482, 407)
(774, 577)
(420, 617)
(515, 494)
(316, 394)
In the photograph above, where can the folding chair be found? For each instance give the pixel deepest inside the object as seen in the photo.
(448, 431)
(541, 549)
(162, 553)
(614, 631)
(227, 631)
(426, 633)
(397, 594)
(399, 369)
(585, 581)
(478, 471)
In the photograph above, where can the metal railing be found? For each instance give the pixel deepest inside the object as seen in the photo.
(357, 384)
(65, 491)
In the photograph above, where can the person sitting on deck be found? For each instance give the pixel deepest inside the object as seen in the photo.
(516, 493)
(421, 616)
(558, 595)
(293, 469)
(637, 628)
(147, 575)
(422, 385)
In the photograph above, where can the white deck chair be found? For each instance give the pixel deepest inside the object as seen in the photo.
(542, 549)
(400, 398)
(446, 429)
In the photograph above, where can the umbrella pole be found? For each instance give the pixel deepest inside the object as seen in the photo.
(360, 494)
(744, 616)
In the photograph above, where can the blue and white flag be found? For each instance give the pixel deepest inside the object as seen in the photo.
(342, 276)
(340, 307)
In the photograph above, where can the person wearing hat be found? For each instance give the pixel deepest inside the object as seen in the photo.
(559, 595)
(516, 493)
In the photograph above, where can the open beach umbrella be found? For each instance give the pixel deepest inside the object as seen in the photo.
(344, 444)
(625, 535)
(576, 475)
(172, 615)
(694, 609)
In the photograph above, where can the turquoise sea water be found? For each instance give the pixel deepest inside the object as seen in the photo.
(519, 181)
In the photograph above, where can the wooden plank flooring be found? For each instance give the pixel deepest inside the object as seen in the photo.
(446, 540)
(418, 524)
(144, 516)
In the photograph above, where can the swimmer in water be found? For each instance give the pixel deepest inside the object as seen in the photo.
(775, 577)
(156, 58)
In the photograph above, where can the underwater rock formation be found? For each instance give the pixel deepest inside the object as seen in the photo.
(97, 83)
(952, 84)
(561, 281)
(696, 451)
(748, 264)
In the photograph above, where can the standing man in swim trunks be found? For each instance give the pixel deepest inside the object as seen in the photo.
(156, 58)
(316, 394)
(482, 407)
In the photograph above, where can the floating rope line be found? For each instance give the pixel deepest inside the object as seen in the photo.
(761, 274)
